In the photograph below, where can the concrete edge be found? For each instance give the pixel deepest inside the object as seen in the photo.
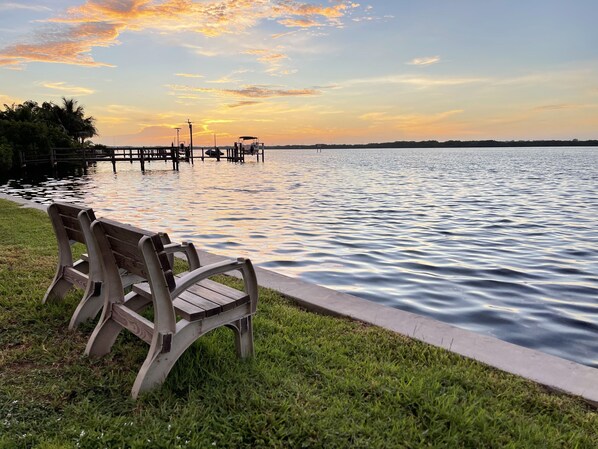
(553, 372)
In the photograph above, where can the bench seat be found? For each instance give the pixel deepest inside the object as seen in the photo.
(204, 299)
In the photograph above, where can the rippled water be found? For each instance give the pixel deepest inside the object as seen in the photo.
(500, 241)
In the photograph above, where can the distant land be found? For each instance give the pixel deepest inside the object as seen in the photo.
(449, 144)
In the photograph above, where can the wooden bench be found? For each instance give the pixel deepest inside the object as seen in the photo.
(184, 308)
(72, 224)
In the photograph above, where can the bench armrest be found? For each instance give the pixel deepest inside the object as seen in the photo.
(186, 248)
(241, 264)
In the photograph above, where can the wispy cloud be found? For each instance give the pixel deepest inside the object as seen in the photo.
(562, 106)
(300, 23)
(96, 23)
(12, 6)
(239, 104)
(418, 81)
(189, 75)
(409, 120)
(248, 91)
(66, 89)
(6, 99)
(274, 59)
(425, 61)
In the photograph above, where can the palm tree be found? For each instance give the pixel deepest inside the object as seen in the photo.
(72, 118)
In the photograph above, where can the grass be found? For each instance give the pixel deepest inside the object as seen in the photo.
(316, 381)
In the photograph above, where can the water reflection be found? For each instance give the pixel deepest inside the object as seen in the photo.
(500, 241)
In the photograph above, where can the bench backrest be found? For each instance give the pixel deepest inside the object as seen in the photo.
(136, 250)
(65, 216)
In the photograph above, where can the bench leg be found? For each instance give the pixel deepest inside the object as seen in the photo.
(89, 306)
(243, 330)
(58, 289)
(158, 364)
(103, 337)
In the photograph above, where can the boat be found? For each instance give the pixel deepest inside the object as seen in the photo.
(250, 145)
(214, 152)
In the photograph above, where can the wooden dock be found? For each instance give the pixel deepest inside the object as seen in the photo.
(143, 155)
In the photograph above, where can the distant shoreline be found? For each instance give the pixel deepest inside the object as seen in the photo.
(448, 144)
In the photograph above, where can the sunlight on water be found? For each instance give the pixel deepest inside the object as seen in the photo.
(499, 241)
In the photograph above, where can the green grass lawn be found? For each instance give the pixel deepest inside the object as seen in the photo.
(315, 381)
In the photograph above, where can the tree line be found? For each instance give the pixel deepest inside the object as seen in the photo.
(448, 144)
(30, 129)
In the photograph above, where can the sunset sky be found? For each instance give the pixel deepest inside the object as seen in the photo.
(309, 72)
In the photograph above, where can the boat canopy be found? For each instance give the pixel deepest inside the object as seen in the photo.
(247, 138)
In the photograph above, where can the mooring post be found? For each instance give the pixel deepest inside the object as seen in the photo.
(141, 159)
(113, 160)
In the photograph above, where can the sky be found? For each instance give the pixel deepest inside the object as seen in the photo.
(308, 72)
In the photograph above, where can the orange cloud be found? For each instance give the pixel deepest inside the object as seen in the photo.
(243, 103)
(272, 59)
(299, 23)
(68, 46)
(67, 89)
(249, 91)
(99, 23)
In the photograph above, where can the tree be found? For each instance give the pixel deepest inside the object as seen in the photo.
(32, 130)
(72, 117)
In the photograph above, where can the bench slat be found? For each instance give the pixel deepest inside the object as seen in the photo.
(138, 325)
(72, 210)
(223, 289)
(70, 222)
(130, 265)
(75, 234)
(187, 310)
(224, 302)
(126, 248)
(75, 277)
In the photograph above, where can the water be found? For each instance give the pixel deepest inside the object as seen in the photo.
(501, 241)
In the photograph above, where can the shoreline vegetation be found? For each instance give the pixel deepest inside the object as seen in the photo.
(315, 381)
(445, 144)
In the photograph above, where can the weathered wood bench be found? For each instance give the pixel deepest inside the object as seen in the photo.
(72, 224)
(184, 308)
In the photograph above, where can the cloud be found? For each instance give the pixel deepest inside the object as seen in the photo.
(248, 91)
(13, 6)
(7, 99)
(68, 90)
(274, 59)
(425, 61)
(188, 75)
(99, 23)
(418, 81)
(300, 23)
(409, 121)
(69, 45)
(562, 106)
(243, 103)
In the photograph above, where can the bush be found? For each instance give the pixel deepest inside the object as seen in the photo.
(5, 155)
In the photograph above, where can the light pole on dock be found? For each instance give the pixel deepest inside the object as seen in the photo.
(190, 140)
(177, 137)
